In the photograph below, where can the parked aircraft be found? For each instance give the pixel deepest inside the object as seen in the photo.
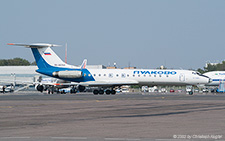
(107, 79)
(216, 76)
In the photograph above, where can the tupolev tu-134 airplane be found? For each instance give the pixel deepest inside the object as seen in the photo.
(107, 79)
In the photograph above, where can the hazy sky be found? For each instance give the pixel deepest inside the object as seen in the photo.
(147, 33)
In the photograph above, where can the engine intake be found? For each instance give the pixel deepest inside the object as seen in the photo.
(67, 74)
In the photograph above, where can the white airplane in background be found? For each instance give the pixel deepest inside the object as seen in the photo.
(107, 79)
(216, 77)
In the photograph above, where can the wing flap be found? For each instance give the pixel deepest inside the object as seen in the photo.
(108, 83)
(96, 83)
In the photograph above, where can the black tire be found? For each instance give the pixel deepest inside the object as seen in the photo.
(107, 92)
(190, 93)
(73, 91)
(101, 92)
(113, 92)
(95, 92)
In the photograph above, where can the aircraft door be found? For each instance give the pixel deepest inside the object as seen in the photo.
(182, 77)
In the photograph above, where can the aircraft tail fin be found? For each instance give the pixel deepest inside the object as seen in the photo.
(83, 65)
(44, 56)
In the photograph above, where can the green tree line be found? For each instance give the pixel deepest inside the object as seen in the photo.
(217, 67)
(15, 62)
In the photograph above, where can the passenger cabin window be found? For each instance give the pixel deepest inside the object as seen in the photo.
(127, 75)
(123, 75)
(110, 74)
(99, 75)
(94, 74)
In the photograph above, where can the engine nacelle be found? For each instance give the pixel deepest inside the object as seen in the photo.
(39, 88)
(67, 74)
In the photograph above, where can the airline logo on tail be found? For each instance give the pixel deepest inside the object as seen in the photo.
(47, 53)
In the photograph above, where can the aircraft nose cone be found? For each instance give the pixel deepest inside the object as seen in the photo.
(210, 80)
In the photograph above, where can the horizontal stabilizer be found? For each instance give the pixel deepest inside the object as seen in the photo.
(36, 45)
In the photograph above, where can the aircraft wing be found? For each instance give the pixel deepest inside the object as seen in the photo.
(96, 83)
(109, 83)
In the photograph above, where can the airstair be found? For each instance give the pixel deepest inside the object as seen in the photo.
(221, 88)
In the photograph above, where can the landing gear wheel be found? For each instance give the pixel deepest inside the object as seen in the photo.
(190, 93)
(95, 92)
(63, 92)
(107, 92)
(73, 91)
(101, 92)
(113, 92)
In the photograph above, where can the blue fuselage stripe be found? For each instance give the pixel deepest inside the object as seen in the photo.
(218, 80)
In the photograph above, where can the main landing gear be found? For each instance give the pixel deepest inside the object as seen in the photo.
(51, 90)
(101, 92)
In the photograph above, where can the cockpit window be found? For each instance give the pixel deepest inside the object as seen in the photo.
(198, 73)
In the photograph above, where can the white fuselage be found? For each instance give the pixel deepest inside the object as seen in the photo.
(150, 76)
(216, 77)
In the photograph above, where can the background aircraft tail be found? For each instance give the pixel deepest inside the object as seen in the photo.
(83, 65)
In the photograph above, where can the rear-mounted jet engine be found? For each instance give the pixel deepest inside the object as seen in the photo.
(67, 74)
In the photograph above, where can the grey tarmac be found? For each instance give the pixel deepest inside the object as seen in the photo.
(129, 116)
